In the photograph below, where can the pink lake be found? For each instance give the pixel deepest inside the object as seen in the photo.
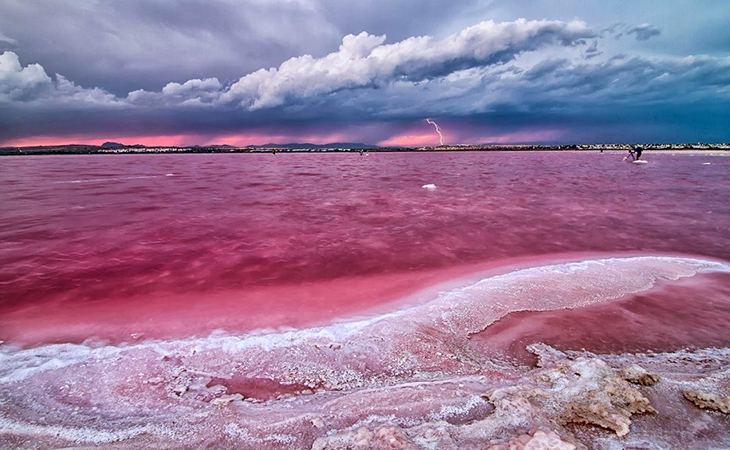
(275, 301)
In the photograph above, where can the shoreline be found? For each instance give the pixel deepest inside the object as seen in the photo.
(138, 150)
(326, 389)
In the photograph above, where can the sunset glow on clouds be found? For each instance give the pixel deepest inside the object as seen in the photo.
(497, 78)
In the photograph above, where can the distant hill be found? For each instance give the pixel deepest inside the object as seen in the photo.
(214, 146)
(118, 145)
(350, 145)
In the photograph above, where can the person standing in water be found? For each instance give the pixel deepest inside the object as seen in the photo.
(637, 151)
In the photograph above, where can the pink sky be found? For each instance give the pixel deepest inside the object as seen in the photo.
(416, 135)
(242, 139)
(429, 137)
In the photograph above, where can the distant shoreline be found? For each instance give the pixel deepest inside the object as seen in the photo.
(138, 149)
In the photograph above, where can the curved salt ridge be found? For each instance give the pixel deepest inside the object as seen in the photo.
(429, 331)
(74, 434)
(560, 286)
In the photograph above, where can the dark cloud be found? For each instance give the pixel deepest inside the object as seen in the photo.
(398, 20)
(142, 44)
(122, 46)
(594, 101)
(618, 84)
(226, 68)
(138, 44)
(544, 68)
(592, 51)
(644, 31)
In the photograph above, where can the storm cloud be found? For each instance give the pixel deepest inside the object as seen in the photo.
(364, 60)
(252, 72)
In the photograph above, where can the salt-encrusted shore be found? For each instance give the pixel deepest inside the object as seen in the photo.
(408, 379)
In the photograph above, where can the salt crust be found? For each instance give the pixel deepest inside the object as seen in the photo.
(708, 400)
(560, 392)
(570, 387)
(402, 380)
(638, 375)
(712, 393)
(531, 412)
(540, 440)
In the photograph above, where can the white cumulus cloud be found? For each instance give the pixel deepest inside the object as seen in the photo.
(21, 83)
(364, 60)
(192, 92)
(32, 84)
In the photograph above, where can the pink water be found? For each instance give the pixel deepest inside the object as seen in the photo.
(138, 253)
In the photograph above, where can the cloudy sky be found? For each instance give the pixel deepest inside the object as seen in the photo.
(241, 72)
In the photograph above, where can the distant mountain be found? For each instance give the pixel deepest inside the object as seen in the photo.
(214, 146)
(350, 145)
(118, 145)
(112, 145)
(294, 145)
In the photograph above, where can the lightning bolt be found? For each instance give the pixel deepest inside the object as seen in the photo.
(438, 130)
